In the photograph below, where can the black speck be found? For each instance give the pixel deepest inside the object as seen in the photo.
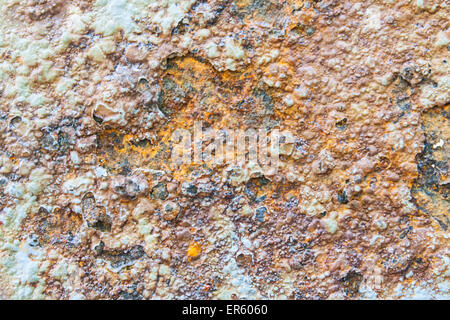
(342, 197)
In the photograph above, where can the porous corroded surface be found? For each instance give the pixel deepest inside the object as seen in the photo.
(92, 207)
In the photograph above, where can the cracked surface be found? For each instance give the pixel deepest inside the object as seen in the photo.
(91, 206)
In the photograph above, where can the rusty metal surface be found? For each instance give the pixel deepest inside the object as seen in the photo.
(93, 207)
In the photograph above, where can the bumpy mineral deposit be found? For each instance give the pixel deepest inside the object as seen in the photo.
(92, 207)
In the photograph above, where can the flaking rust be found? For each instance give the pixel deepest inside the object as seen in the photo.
(92, 205)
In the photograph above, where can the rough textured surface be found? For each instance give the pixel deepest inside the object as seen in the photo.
(91, 206)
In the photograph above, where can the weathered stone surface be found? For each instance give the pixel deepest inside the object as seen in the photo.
(93, 207)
